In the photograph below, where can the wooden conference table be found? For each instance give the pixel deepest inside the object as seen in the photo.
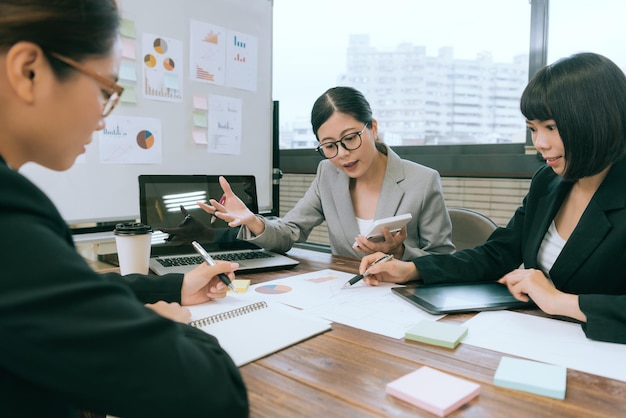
(343, 372)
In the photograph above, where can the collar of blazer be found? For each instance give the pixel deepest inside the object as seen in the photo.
(593, 226)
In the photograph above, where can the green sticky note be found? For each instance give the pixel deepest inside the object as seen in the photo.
(437, 333)
(127, 28)
(129, 95)
(531, 376)
(200, 118)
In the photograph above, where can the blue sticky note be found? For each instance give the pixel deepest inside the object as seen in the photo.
(531, 376)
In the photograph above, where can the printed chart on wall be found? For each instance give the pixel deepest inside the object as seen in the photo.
(321, 294)
(207, 53)
(224, 119)
(133, 140)
(162, 68)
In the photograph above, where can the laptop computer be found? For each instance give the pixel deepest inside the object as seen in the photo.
(160, 200)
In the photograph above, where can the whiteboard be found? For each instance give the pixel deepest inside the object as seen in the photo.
(102, 189)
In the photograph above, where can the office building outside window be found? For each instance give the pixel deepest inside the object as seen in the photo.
(435, 73)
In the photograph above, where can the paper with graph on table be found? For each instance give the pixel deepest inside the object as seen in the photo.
(371, 308)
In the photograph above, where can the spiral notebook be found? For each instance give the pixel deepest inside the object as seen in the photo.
(248, 332)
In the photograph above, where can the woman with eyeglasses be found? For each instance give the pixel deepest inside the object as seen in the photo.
(72, 339)
(569, 235)
(360, 180)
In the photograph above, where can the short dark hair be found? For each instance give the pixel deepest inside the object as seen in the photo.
(585, 94)
(73, 28)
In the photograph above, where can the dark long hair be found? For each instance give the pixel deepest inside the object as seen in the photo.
(74, 28)
(585, 94)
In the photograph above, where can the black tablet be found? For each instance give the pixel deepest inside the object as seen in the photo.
(457, 298)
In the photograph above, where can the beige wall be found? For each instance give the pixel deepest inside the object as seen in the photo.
(496, 198)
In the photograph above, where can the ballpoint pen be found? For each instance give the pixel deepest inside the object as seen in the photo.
(358, 277)
(221, 202)
(224, 278)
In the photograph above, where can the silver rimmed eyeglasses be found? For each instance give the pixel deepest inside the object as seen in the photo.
(349, 142)
(110, 89)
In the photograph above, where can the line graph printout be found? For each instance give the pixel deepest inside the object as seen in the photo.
(371, 308)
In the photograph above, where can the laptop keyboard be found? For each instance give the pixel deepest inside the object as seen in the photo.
(193, 260)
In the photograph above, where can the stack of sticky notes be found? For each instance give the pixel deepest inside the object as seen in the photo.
(241, 285)
(437, 333)
(530, 376)
(434, 391)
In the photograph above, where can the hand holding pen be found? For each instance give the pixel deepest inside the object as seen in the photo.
(224, 278)
(359, 277)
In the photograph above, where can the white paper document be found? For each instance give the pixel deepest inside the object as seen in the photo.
(371, 308)
(249, 331)
(546, 340)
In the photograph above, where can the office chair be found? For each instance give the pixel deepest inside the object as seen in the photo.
(469, 228)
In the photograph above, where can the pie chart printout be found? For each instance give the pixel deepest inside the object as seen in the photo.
(273, 289)
(145, 139)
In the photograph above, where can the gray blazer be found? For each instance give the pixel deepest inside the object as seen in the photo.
(407, 188)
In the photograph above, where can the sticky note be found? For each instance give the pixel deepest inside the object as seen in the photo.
(200, 102)
(437, 333)
(241, 285)
(128, 48)
(127, 28)
(127, 71)
(200, 118)
(531, 376)
(129, 95)
(433, 390)
(199, 136)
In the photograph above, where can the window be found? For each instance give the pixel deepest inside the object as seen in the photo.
(435, 72)
(584, 26)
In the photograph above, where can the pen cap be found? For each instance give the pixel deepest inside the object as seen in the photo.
(132, 228)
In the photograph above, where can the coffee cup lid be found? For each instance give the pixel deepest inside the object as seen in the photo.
(132, 228)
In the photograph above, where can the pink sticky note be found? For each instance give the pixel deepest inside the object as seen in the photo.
(200, 102)
(199, 136)
(434, 391)
(128, 48)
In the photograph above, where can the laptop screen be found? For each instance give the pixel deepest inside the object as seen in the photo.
(160, 201)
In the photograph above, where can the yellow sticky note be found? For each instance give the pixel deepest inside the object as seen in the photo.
(241, 285)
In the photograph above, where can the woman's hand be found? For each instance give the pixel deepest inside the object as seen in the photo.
(533, 284)
(394, 271)
(391, 243)
(233, 211)
(201, 284)
(172, 311)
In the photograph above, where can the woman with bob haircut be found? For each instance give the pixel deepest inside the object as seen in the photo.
(72, 339)
(569, 235)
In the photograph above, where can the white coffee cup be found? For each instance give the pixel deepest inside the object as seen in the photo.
(133, 247)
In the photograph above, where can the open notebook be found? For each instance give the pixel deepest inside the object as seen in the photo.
(248, 330)
(160, 198)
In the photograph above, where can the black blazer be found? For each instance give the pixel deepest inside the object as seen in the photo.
(72, 338)
(591, 265)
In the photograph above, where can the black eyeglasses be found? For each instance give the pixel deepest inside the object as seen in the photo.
(349, 142)
(111, 90)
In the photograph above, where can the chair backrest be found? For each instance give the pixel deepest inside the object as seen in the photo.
(469, 228)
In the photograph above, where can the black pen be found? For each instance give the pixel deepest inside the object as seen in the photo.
(358, 277)
(224, 278)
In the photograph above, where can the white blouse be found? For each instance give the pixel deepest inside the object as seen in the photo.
(550, 248)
